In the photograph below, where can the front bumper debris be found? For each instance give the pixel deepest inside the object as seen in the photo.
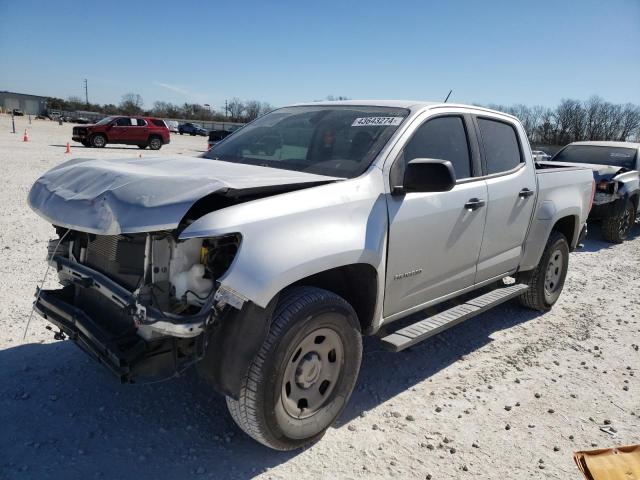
(164, 323)
(125, 354)
(176, 341)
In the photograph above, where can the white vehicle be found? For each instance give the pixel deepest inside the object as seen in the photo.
(172, 125)
(266, 260)
(539, 155)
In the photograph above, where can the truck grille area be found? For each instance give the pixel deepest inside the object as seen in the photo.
(120, 257)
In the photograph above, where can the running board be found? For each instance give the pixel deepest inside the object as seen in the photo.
(430, 326)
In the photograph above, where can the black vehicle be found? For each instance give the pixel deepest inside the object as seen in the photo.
(17, 112)
(192, 129)
(216, 135)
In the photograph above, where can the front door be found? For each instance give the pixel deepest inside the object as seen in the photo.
(435, 238)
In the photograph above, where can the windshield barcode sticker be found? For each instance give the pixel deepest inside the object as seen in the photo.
(376, 121)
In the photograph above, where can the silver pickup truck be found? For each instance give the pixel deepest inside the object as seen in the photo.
(265, 261)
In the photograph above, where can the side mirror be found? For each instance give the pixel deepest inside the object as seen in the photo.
(427, 175)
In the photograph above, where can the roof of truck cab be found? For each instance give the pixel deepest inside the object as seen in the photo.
(410, 104)
(608, 144)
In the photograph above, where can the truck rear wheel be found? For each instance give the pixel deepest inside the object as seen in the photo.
(616, 229)
(547, 279)
(304, 373)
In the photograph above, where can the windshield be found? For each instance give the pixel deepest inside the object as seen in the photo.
(105, 120)
(339, 141)
(614, 156)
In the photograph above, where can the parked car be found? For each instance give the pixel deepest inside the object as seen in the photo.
(265, 261)
(539, 155)
(17, 112)
(192, 129)
(615, 167)
(141, 131)
(216, 135)
(172, 125)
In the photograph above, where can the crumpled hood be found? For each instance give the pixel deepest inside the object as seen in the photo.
(600, 172)
(110, 197)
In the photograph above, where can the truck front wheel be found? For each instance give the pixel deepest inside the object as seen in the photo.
(304, 373)
(547, 279)
(616, 228)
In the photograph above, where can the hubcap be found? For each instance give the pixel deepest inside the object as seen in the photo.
(554, 272)
(312, 373)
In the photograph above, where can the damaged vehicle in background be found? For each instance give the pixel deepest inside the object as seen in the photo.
(616, 167)
(266, 260)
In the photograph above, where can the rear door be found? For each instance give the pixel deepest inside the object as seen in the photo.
(512, 189)
(139, 130)
(435, 237)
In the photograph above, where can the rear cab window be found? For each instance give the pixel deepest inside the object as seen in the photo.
(502, 151)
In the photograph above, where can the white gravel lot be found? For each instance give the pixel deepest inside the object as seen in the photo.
(508, 395)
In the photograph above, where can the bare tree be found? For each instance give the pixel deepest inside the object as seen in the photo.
(131, 104)
(236, 108)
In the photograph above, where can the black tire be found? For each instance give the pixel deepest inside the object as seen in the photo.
(86, 143)
(155, 143)
(142, 147)
(305, 317)
(615, 229)
(547, 279)
(98, 140)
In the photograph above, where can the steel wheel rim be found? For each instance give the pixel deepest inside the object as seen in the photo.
(312, 373)
(98, 141)
(154, 143)
(554, 272)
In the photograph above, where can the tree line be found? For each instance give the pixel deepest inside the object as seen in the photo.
(575, 120)
(570, 121)
(132, 104)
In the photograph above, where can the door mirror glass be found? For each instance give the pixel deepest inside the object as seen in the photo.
(427, 175)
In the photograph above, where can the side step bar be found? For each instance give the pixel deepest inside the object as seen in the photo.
(430, 326)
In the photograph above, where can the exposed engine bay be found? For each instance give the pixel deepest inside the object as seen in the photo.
(171, 277)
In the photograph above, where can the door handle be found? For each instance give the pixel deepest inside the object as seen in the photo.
(474, 204)
(525, 193)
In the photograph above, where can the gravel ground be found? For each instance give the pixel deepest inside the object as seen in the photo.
(510, 394)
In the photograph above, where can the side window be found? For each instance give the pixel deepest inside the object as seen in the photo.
(158, 123)
(123, 122)
(443, 138)
(501, 149)
(138, 122)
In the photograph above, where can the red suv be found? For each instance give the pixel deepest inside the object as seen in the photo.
(142, 131)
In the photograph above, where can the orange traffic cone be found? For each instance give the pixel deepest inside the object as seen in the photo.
(68, 150)
(25, 138)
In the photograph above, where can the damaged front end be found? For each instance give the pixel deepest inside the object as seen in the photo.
(140, 303)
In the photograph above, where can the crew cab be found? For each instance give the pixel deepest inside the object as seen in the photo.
(264, 261)
(616, 171)
(141, 131)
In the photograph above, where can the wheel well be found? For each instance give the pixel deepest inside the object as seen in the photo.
(567, 227)
(357, 284)
(156, 135)
(634, 199)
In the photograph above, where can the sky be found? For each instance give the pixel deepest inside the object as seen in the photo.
(503, 52)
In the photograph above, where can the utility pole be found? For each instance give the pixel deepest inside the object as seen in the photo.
(226, 109)
(86, 93)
